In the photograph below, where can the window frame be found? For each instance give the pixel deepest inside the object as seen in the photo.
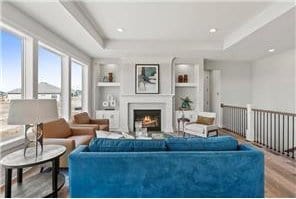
(19, 140)
(62, 56)
(82, 84)
(29, 83)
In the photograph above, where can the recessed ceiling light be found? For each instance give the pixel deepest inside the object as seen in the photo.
(213, 30)
(271, 50)
(120, 29)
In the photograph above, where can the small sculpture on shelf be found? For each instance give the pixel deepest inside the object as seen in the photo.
(110, 103)
(186, 103)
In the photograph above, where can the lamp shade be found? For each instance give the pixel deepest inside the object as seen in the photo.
(32, 111)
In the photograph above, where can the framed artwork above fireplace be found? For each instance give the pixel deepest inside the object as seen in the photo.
(147, 78)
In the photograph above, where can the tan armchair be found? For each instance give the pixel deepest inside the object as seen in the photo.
(59, 132)
(83, 120)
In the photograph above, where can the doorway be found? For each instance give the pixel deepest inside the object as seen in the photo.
(212, 99)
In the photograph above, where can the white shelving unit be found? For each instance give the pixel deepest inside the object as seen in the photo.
(107, 84)
(105, 89)
(185, 85)
(188, 89)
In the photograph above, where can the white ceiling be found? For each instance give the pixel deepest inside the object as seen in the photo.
(173, 28)
(171, 21)
(54, 16)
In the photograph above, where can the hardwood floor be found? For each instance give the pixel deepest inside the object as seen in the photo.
(280, 174)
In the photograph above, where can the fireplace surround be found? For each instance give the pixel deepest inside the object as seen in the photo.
(150, 119)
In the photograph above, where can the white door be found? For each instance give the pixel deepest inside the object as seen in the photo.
(206, 90)
(215, 94)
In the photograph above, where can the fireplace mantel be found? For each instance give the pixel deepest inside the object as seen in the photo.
(162, 101)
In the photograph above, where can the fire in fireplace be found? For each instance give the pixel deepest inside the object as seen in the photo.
(151, 119)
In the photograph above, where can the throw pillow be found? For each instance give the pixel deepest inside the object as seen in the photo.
(205, 120)
(221, 143)
(125, 145)
(82, 118)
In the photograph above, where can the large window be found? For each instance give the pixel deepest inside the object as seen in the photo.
(11, 56)
(49, 75)
(76, 88)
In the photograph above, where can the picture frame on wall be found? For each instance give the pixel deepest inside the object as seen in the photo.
(147, 79)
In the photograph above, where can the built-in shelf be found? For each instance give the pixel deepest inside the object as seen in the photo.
(185, 84)
(107, 110)
(106, 84)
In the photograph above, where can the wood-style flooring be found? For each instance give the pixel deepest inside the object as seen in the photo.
(280, 175)
(280, 172)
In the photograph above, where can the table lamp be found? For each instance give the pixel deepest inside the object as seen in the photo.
(32, 113)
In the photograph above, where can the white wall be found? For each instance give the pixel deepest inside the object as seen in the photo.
(235, 80)
(128, 74)
(273, 82)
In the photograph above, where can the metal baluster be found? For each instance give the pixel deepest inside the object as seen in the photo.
(263, 132)
(279, 133)
(235, 120)
(293, 131)
(244, 123)
(232, 119)
(260, 133)
(241, 122)
(270, 146)
(257, 125)
(283, 147)
(274, 132)
(267, 131)
(288, 132)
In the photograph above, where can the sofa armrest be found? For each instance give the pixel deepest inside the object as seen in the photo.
(102, 123)
(84, 131)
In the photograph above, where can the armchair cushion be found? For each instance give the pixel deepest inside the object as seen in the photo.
(222, 143)
(81, 139)
(87, 130)
(84, 125)
(103, 127)
(56, 129)
(103, 124)
(82, 118)
(205, 120)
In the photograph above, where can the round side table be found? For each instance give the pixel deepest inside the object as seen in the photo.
(37, 186)
(183, 120)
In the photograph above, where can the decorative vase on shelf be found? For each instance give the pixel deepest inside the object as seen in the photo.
(110, 77)
(185, 78)
(180, 78)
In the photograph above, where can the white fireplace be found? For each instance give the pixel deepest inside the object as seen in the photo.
(129, 103)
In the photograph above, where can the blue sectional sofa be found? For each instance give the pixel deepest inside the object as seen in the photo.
(175, 167)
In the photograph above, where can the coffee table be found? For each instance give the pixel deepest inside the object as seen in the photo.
(37, 186)
(132, 135)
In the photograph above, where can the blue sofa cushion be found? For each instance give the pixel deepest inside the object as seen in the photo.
(125, 145)
(222, 143)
